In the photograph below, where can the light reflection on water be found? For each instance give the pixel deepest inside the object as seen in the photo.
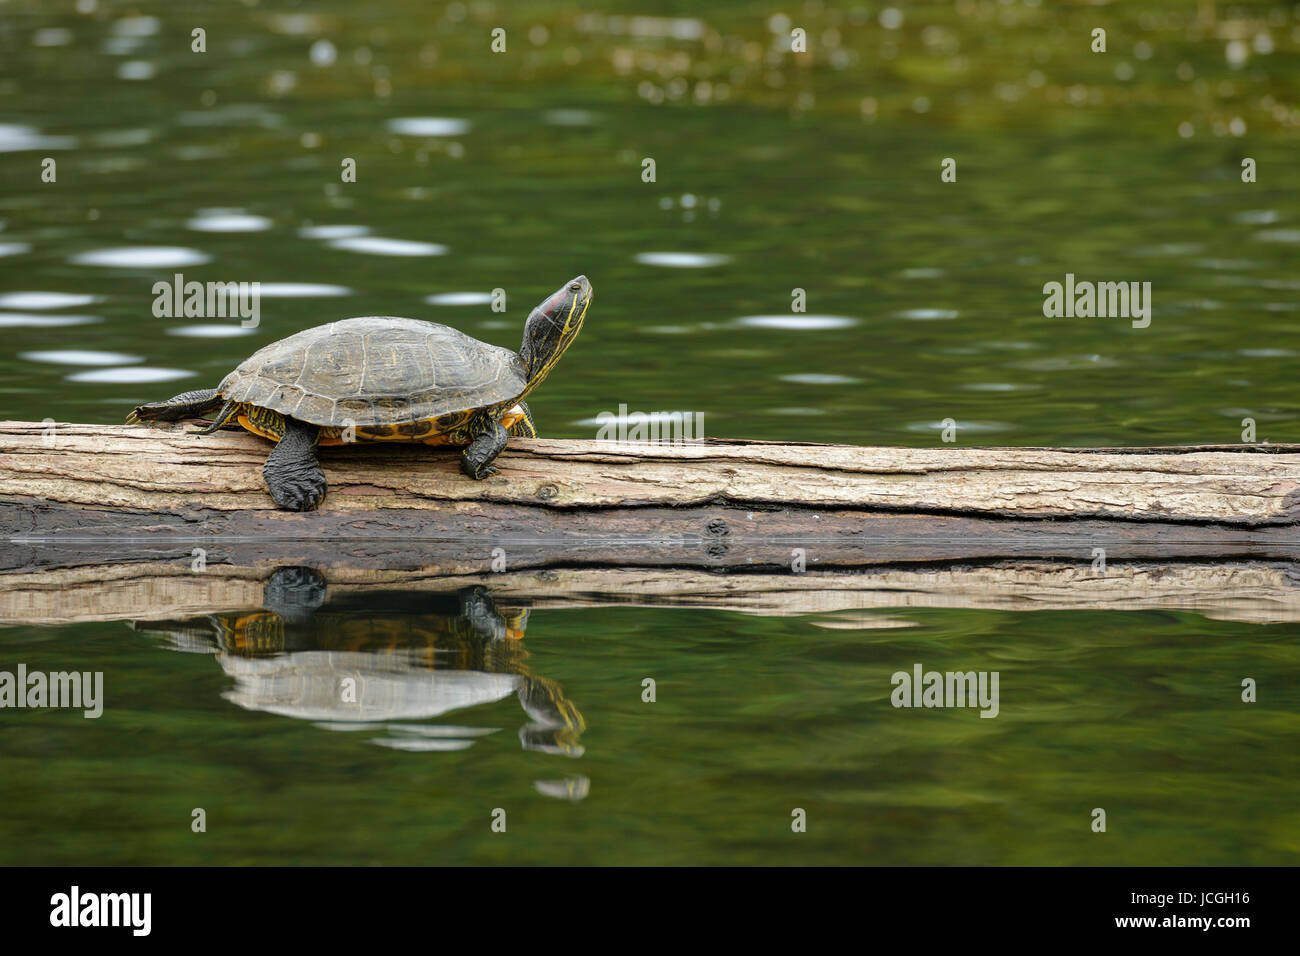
(209, 331)
(224, 220)
(130, 374)
(380, 246)
(142, 257)
(44, 300)
(429, 126)
(301, 290)
(459, 298)
(81, 357)
(15, 320)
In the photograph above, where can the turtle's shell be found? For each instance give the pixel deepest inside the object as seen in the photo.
(377, 370)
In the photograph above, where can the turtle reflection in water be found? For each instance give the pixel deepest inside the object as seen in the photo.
(349, 665)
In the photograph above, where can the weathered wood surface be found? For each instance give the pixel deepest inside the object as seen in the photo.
(465, 541)
(165, 470)
(83, 495)
(1260, 592)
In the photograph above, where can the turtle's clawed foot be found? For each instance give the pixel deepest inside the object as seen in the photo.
(292, 472)
(298, 487)
(157, 412)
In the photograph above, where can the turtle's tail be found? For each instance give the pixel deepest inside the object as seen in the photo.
(226, 414)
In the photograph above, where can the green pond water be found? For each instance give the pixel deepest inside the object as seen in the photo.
(774, 172)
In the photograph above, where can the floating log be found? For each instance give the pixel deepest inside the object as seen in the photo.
(75, 495)
(112, 522)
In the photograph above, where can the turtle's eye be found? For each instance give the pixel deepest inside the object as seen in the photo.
(575, 287)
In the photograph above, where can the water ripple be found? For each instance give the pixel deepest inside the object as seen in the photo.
(130, 375)
(332, 232)
(421, 745)
(570, 117)
(227, 220)
(1066, 363)
(121, 46)
(136, 70)
(1278, 235)
(682, 260)
(135, 26)
(209, 331)
(379, 246)
(52, 36)
(118, 138)
(301, 290)
(18, 139)
(998, 387)
(459, 298)
(44, 300)
(81, 357)
(141, 257)
(428, 126)
(236, 114)
(927, 314)
(960, 426)
(25, 320)
(440, 730)
(796, 321)
(815, 378)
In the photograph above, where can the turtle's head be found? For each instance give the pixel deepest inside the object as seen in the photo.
(552, 327)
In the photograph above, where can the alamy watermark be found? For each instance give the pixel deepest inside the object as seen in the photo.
(75, 909)
(654, 427)
(37, 689)
(1102, 300)
(208, 300)
(950, 689)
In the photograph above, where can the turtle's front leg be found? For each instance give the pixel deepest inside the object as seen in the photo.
(185, 405)
(292, 472)
(476, 460)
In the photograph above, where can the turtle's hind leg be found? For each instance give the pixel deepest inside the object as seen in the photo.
(185, 405)
(524, 427)
(294, 593)
(292, 472)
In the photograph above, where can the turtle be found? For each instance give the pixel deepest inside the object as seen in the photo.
(383, 378)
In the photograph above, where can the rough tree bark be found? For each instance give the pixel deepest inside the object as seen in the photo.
(164, 469)
(104, 505)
